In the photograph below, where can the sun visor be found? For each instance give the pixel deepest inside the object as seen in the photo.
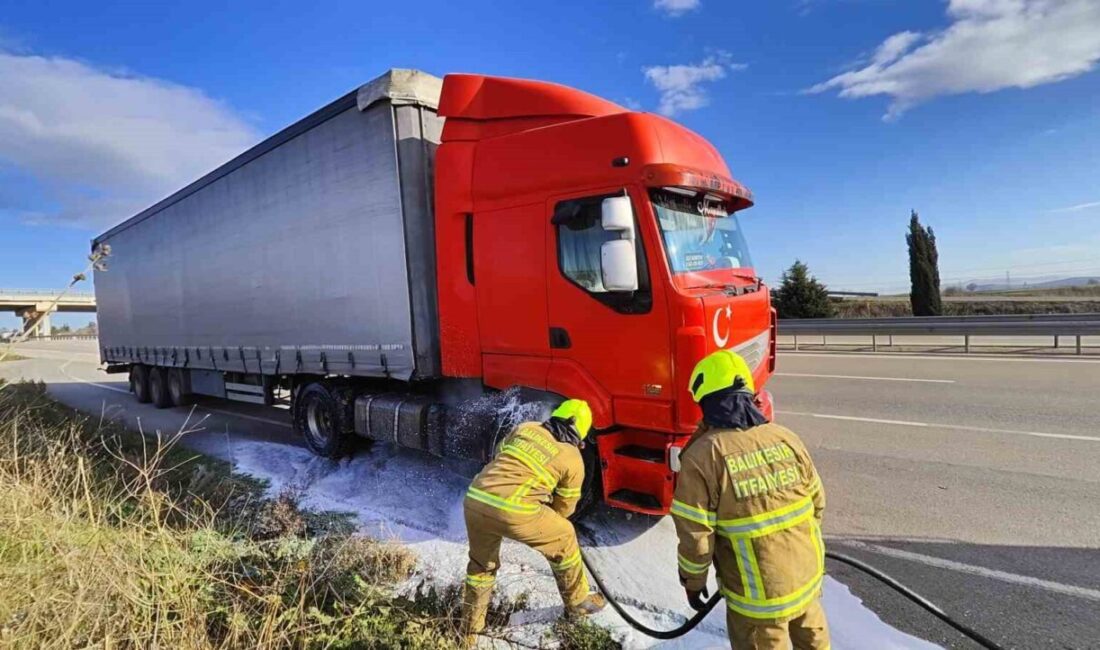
(671, 175)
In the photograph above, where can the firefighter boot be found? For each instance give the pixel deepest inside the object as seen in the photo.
(592, 604)
(475, 606)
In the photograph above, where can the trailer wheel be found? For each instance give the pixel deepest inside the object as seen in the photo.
(177, 393)
(139, 383)
(320, 419)
(158, 387)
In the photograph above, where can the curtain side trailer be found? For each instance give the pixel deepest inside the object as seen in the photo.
(409, 260)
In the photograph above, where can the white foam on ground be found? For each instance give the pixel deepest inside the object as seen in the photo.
(415, 499)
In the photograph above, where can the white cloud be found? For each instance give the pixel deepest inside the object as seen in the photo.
(989, 46)
(676, 8)
(106, 144)
(1080, 207)
(681, 86)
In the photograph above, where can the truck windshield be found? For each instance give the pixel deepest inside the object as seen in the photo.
(695, 241)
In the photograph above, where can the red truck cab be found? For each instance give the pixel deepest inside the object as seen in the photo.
(593, 252)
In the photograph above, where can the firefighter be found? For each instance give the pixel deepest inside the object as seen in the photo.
(748, 499)
(527, 494)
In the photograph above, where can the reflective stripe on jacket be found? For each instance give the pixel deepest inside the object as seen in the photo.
(751, 502)
(531, 469)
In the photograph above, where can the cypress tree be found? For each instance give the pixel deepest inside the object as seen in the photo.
(924, 270)
(800, 295)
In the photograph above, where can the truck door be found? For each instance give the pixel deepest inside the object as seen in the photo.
(615, 344)
(510, 276)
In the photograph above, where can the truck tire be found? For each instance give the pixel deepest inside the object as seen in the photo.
(139, 383)
(320, 418)
(177, 388)
(158, 387)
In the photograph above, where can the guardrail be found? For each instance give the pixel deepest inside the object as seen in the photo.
(1054, 325)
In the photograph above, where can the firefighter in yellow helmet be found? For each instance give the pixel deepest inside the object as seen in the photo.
(748, 500)
(527, 494)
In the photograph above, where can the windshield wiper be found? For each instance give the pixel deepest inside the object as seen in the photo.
(745, 276)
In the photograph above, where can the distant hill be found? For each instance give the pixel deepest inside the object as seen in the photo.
(978, 286)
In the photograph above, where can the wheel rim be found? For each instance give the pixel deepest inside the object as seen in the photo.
(318, 423)
(175, 390)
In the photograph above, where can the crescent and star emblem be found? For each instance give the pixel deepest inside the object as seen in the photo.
(722, 339)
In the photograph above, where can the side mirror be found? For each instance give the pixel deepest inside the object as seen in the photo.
(617, 215)
(619, 265)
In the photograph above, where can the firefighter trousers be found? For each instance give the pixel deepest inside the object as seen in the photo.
(545, 531)
(807, 631)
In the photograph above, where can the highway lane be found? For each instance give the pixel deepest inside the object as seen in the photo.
(973, 480)
(1003, 345)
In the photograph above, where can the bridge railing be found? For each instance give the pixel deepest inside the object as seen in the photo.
(64, 337)
(50, 293)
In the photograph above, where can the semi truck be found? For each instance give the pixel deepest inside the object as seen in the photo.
(399, 259)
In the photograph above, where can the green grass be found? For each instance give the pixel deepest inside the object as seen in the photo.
(583, 635)
(109, 539)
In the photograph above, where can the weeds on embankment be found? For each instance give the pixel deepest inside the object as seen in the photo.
(111, 539)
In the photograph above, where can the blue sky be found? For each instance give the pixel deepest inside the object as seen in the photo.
(841, 115)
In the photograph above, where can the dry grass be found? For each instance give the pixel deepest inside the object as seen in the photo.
(110, 541)
(898, 308)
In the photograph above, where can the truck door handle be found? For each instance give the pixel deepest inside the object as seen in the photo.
(559, 339)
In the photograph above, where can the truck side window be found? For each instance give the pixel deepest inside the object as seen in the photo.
(580, 236)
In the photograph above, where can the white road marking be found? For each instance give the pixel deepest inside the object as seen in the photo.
(90, 383)
(250, 417)
(934, 425)
(1004, 576)
(901, 356)
(924, 381)
(212, 410)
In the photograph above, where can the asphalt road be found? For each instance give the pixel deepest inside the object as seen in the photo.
(972, 479)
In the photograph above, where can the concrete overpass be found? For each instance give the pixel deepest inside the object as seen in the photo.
(29, 304)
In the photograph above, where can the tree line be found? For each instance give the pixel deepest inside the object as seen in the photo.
(801, 295)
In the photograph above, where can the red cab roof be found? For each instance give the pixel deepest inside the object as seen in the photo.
(481, 97)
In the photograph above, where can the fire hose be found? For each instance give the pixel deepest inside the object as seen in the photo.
(881, 576)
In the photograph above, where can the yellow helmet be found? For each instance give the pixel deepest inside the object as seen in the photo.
(578, 411)
(718, 371)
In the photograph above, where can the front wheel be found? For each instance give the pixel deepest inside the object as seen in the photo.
(320, 419)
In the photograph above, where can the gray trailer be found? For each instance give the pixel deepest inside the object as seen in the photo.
(310, 255)
(312, 252)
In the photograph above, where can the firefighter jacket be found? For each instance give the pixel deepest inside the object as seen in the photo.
(532, 469)
(750, 502)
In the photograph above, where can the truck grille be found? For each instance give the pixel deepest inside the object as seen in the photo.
(755, 350)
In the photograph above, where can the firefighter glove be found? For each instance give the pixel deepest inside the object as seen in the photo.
(697, 599)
